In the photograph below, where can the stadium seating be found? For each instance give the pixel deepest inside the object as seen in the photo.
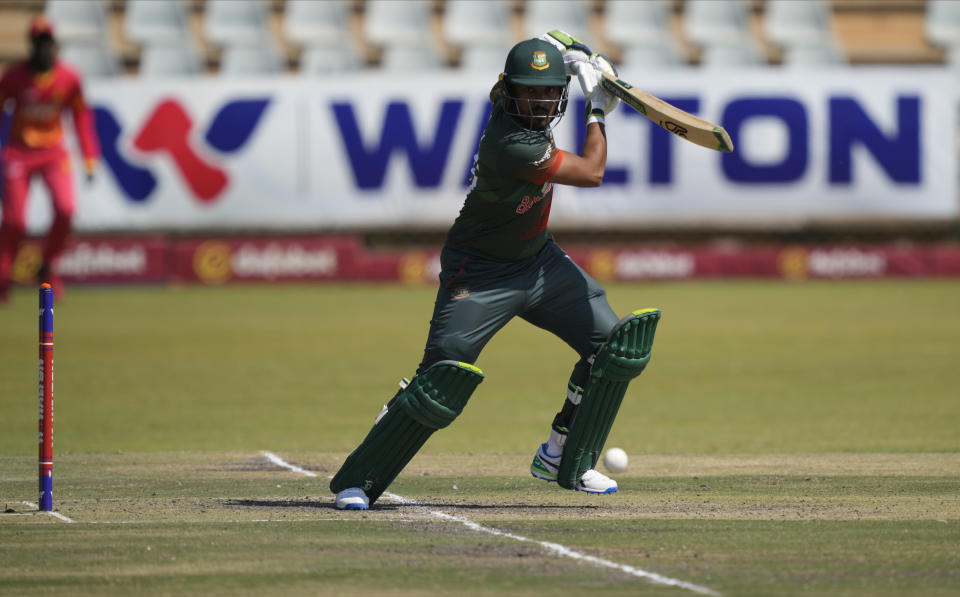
(629, 23)
(163, 60)
(397, 22)
(152, 22)
(481, 29)
(92, 58)
(484, 58)
(477, 33)
(78, 20)
(409, 57)
(788, 22)
(312, 23)
(820, 55)
(251, 58)
(321, 59)
(402, 30)
(656, 54)
(321, 31)
(232, 22)
(572, 16)
(643, 32)
(726, 54)
(942, 23)
(713, 21)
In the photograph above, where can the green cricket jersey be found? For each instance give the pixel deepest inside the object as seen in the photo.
(508, 203)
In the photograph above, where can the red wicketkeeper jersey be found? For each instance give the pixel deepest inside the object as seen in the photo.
(38, 102)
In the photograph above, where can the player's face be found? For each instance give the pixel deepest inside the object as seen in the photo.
(540, 102)
(43, 53)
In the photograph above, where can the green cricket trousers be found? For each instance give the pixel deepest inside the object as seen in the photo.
(478, 296)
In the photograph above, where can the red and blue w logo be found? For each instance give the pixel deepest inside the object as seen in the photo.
(167, 130)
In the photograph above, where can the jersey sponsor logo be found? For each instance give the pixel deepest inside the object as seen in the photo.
(540, 61)
(528, 202)
(168, 129)
(460, 292)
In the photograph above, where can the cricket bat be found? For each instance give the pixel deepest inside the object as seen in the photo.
(680, 123)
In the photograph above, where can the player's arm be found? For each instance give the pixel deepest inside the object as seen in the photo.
(86, 132)
(586, 169)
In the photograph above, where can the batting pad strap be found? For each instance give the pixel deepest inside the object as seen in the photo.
(622, 358)
(574, 393)
(430, 402)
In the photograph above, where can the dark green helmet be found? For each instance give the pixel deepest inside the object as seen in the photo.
(534, 63)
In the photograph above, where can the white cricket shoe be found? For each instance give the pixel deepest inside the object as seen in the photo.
(546, 467)
(593, 481)
(352, 499)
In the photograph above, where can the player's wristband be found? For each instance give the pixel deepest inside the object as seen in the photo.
(596, 115)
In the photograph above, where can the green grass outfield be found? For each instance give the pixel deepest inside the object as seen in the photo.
(786, 439)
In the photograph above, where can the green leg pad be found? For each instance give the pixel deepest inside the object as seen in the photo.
(623, 357)
(430, 402)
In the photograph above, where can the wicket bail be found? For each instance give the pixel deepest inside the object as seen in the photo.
(46, 398)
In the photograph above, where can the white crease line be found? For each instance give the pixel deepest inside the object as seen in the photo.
(50, 512)
(281, 462)
(554, 548)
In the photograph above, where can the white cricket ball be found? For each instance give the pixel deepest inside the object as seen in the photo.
(615, 460)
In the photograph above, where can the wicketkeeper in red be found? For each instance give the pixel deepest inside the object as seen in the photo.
(37, 91)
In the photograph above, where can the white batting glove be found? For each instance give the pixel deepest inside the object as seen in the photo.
(601, 63)
(587, 75)
(599, 102)
(572, 49)
(604, 64)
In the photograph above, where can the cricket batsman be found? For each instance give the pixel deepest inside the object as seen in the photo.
(500, 261)
(38, 90)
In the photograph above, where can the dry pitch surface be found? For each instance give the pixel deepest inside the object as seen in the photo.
(263, 523)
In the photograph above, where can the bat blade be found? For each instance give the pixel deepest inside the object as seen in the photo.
(681, 123)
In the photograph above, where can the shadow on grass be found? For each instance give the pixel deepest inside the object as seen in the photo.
(390, 506)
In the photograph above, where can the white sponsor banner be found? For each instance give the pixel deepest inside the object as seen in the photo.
(372, 150)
